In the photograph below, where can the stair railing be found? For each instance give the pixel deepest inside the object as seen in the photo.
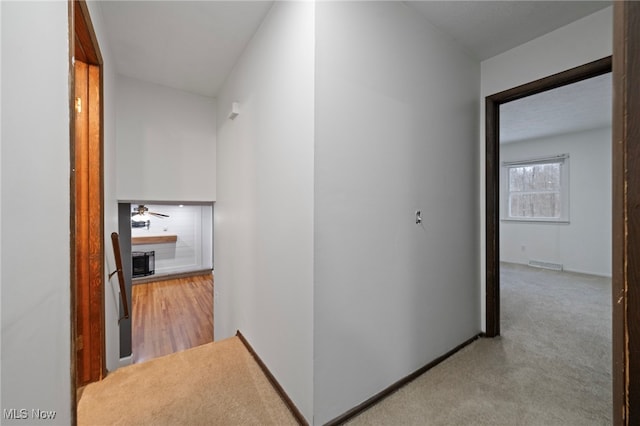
(115, 240)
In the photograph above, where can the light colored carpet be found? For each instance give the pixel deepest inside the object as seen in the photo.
(552, 365)
(215, 384)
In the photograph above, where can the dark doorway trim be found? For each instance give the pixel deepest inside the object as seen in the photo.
(626, 213)
(297, 414)
(365, 405)
(492, 128)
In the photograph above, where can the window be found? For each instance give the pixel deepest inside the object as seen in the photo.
(537, 190)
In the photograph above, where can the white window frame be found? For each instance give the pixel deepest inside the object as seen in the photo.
(563, 160)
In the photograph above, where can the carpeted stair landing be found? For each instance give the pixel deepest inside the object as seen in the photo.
(216, 384)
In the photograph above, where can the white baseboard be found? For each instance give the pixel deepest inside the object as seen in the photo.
(596, 274)
(127, 360)
(577, 271)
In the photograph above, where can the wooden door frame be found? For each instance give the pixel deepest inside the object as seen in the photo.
(84, 46)
(626, 213)
(492, 129)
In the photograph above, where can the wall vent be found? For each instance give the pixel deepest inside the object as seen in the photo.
(546, 265)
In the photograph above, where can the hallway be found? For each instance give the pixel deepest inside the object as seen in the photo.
(551, 366)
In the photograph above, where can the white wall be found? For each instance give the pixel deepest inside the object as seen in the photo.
(396, 129)
(1, 116)
(264, 210)
(111, 289)
(192, 250)
(584, 244)
(35, 209)
(166, 143)
(575, 44)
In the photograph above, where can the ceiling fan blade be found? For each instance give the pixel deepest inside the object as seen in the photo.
(158, 214)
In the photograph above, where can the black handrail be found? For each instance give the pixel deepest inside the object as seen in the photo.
(115, 240)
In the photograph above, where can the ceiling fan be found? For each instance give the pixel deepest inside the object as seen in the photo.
(141, 215)
(143, 211)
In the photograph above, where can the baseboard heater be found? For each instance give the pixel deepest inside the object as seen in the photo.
(546, 265)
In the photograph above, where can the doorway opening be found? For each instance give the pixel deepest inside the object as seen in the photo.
(168, 259)
(555, 210)
(626, 179)
(493, 170)
(534, 229)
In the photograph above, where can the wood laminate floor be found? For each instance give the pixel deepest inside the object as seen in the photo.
(171, 316)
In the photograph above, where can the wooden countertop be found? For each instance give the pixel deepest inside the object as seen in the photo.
(154, 239)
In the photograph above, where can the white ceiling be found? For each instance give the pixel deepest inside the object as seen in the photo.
(193, 46)
(488, 28)
(187, 45)
(580, 106)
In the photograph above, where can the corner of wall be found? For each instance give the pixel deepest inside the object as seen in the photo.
(264, 209)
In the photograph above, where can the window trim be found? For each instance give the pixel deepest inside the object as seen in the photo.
(563, 160)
